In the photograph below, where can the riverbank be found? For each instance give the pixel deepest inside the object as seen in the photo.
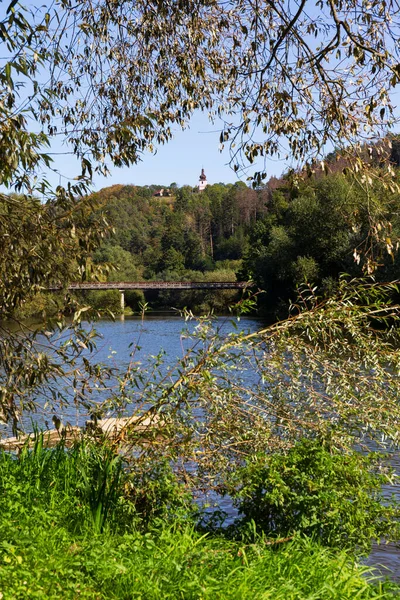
(171, 334)
(72, 525)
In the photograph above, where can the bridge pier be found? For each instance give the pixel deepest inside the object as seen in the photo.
(122, 292)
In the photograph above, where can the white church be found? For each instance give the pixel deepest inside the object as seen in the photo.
(202, 181)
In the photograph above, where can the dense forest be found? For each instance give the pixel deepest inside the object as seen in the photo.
(318, 230)
(186, 235)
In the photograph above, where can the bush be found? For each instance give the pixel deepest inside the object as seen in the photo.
(156, 494)
(92, 487)
(105, 300)
(329, 496)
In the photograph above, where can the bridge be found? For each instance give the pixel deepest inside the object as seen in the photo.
(153, 285)
(123, 286)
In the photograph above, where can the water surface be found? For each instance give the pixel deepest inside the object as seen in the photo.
(168, 334)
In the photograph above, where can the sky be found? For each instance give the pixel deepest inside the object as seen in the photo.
(179, 161)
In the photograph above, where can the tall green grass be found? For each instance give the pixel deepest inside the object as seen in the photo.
(69, 530)
(83, 484)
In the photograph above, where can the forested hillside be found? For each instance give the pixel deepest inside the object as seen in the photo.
(187, 230)
(284, 234)
(291, 231)
(188, 235)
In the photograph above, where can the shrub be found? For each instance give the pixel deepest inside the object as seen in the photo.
(330, 496)
(156, 493)
(92, 487)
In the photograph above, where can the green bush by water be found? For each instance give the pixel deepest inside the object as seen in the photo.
(330, 496)
(89, 487)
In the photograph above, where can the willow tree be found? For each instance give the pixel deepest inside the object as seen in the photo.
(111, 78)
(117, 74)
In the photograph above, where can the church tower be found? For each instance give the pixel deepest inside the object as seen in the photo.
(202, 181)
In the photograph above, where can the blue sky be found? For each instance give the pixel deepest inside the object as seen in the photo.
(179, 161)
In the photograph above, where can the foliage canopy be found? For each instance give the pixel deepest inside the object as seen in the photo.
(118, 76)
(112, 78)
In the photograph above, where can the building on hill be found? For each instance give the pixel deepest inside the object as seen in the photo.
(202, 181)
(163, 193)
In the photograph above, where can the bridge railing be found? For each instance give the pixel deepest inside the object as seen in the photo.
(153, 285)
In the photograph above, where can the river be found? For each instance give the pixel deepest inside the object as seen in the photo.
(170, 334)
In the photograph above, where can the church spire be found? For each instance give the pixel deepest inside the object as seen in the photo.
(202, 181)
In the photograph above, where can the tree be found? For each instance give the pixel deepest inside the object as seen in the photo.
(284, 79)
(280, 71)
(123, 261)
(313, 233)
(119, 75)
(283, 71)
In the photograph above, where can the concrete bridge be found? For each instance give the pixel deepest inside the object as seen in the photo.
(123, 286)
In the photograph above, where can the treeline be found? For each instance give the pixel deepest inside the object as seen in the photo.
(281, 235)
(318, 229)
(189, 230)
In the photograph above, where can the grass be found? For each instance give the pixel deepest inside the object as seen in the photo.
(53, 544)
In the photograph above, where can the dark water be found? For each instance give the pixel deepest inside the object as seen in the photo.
(169, 334)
